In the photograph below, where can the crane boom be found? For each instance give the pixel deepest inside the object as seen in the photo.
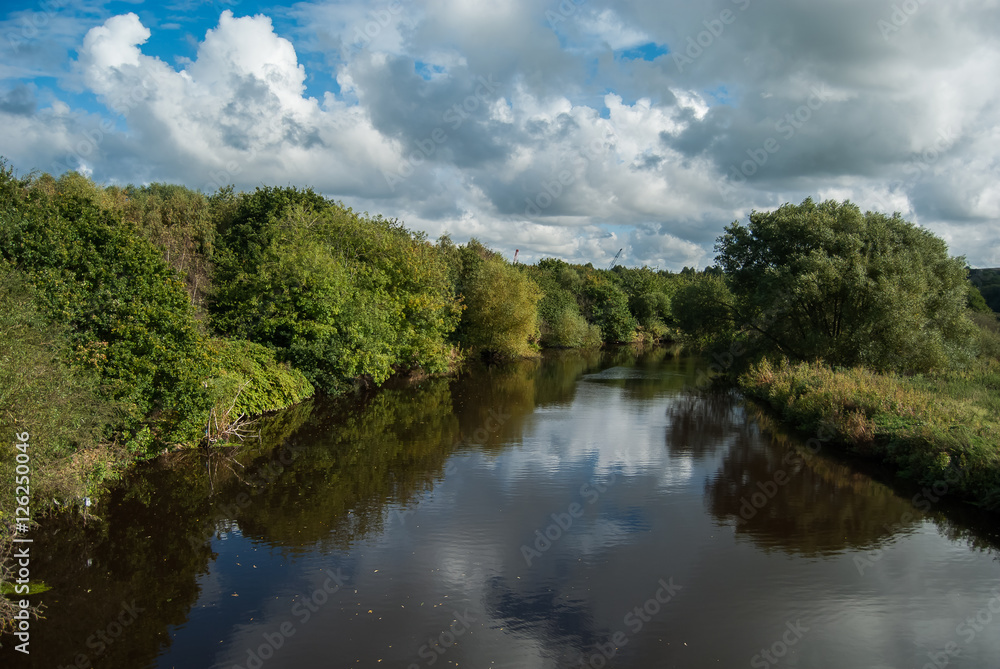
(615, 259)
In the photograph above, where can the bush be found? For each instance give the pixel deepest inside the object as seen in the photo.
(177, 221)
(571, 330)
(59, 406)
(252, 382)
(987, 334)
(127, 312)
(930, 430)
(501, 315)
(607, 307)
(339, 295)
(651, 309)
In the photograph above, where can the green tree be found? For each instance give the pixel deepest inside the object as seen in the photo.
(560, 322)
(702, 309)
(60, 406)
(501, 309)
(827, 281)
(976, 301)
(607, 306)
(127, 312)
(176, 220)
(341, 296)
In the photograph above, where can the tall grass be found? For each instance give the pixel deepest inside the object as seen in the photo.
(941, 428)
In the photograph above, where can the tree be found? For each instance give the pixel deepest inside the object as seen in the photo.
(127, 312)
(607, 307)
(337, 294)
(40, 393)
(560, 321)
(501, 315)
(987, 282)
(702, 309)
(826, 281)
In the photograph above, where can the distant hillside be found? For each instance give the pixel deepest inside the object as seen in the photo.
(988, 283)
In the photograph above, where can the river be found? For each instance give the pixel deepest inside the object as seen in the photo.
(582, 510)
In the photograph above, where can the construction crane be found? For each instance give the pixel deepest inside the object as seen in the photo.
(615, 259)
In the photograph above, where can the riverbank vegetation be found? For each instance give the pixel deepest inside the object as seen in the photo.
(143, 319)
(861, 327)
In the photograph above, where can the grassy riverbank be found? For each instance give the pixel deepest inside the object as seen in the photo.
(940, 430)
(860, 328)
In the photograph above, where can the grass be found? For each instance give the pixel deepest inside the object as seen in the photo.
(935, 429)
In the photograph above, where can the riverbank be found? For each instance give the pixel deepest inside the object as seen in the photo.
(940, 430)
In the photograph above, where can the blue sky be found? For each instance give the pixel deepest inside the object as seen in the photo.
(561, 128)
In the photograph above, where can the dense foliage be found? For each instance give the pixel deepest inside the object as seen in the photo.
(249, 381)
(127, 312)
(938, 430)
(339, 295)
(824, 281)
(57, 404)
(860, 326)
(155, 316)
(987, 283)
(185, 307)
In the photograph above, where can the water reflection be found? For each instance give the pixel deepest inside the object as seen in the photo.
(777, 492)
(704, 423)
(425, 497)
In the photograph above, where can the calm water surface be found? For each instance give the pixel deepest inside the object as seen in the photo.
(578, 511)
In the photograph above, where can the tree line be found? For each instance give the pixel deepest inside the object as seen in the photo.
(143, 318)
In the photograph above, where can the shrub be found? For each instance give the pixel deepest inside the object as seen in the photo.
(501, 315)
(607, 307)
(126, 311)
(339, 295)
(59, 406)
(177, 221)
(254, 382)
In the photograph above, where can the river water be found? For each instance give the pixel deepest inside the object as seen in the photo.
(583, 510)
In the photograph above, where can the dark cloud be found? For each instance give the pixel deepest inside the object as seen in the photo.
(444, 119)
(20, 100)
